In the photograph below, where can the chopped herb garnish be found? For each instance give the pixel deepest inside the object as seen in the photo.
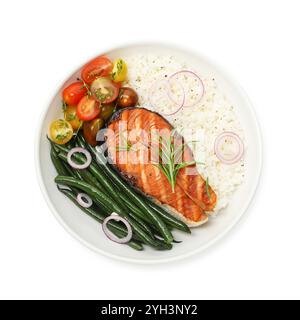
(101, 96)
(71, 117)
(119, 69)
(64, 106)
(120, 65)
(113, 75)
(61, 136)
(86, 86)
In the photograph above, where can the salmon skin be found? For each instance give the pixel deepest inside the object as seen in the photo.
(130, 145)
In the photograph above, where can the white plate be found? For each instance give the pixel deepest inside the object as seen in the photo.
(89, 232)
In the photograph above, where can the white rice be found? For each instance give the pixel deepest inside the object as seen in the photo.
(213, 115)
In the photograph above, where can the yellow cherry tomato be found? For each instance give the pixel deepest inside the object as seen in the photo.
(61, 131)
(119, 71)
(71, 117)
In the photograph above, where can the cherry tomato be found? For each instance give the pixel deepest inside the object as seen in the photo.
(105, 90)
(99, 67)
(119, 71)
(127, 98)
(73, 93)
(106, 111)
(61, 131)
(71, 117)
(90, 130)
(88, 108)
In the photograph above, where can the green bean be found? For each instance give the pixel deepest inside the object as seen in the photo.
(168, 218)
(84, 174)
(61, 167)
(133, 244)
(72, 173)
(106, 201)
(134, 209)
(92, 168)
(97, 211)
(143, 225)
(58, 165)
(96, 197)
(114, 227)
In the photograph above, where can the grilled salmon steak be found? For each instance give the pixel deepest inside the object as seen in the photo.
(136, 154)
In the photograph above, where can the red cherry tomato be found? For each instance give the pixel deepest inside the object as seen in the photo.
(88, 108)
(73, 93)
(99, 67)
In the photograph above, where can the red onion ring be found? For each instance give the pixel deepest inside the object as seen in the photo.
(219, 153)
(76, 165)
(84, 200)
(166, 93)
(201, 86)
(113, 237)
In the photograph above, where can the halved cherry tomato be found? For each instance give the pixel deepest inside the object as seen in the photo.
(61, 131)
(88, 108)
(90, 130)
(72, 118)
(105, 90)
(73, 93)
(99, 67)
(119, 71)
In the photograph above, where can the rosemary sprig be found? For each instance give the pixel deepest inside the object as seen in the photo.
(128, 144)
(207, 188)
(169, 156)
(125, 148)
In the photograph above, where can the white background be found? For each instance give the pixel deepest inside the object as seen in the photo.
(257, 41)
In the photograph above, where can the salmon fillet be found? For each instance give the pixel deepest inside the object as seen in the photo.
(132, 156)
(194, 185)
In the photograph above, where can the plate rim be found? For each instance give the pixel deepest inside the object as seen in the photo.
(194, 51)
